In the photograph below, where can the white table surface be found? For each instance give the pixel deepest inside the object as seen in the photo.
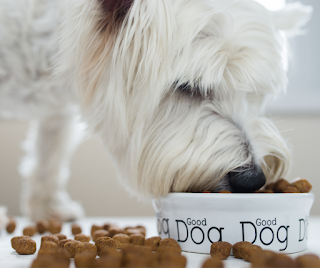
(10, 259)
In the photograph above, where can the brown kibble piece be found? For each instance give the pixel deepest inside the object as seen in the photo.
(137, 239)
(302, 185)
(153, 242)
(307, 261)
(100, 233)
(26, 246)
(225, 192)
(85, 248)
(108, 261)
(55, 227)
(173, 260)
(170, 244)
(131, 231)
(291, 189)
(106, 226)
(76, 229)
(15, 240)
(29, 231)
(82, 238)
(51, 238)
(48, 247)
(122, 239)
(113, 230)
(61, 236)
(262, 258)
(249, 251)
(237, 248)
(11, 226)
(70, 248)
(281, 261)
(95, 228)
(86, 260)
(62, 243)
(106, 242)
(280, 186)
(52, 260)
(213, 263)
(220, 250)
(110, 252)
(270, 186)
(42, 226)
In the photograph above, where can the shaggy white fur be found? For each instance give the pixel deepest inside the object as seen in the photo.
(175, 89)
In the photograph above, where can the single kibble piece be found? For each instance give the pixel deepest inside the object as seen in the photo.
(237, 248)
(95, 228)
(131, 231)
(70, 248)
(26, 246)
(302, 185)
(42, 226)
(85, 248)
(220, 250)
(51, 238)
(104, 252)
(76, 229)
(11, 226)
(15, 240)
(281, 261)
(262, 258)
(270, 186)
(291, 189)
(55, 227)
(225, 192)
(307, 261)
(113, 230)
(100, 233)
(280, 186)
(249, 251)
(62, 243)
(85, 260)
(213, 263)
(29, 231)
(108, 261)
(106, 242)
(60, 236)
(170, 244)
(137, 239)
(82, 238)
(106, 226)
(153, 242)
(122, 239)
(52, 260)
(48, 247)
(173, 260)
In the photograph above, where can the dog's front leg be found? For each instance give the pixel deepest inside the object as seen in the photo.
(50, 145)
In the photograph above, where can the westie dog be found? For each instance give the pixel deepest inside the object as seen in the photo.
(176, 90)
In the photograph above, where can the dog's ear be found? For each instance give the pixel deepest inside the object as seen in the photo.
(115, 10)
(292, 18)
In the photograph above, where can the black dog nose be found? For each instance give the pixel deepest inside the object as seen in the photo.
(247, 181)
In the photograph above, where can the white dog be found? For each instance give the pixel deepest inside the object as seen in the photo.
(175, 89)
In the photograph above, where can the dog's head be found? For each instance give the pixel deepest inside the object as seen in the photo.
(176, 88)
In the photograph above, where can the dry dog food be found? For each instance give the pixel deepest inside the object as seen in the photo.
(60, 236)
(42, 226)
(82, 238)
(48, 247)
(302, 185)
(51, 238)
(85, 248)
(70, 248)
(85, 260)
(30, 230)
(238, 247)
(137, 239)
(100, 233)
(15, 240)
(54, 227)
(108, 261)
(25, 246)
(76, 229)
(122, 239)
(283, 186)
(173, 260)
(52, 260)
(106, 242)
(113, 230)
(169, 244)
(62, 243)
(153, 242)
(262, 258)
(95, 228)
(220, 250)
(212, 263)
(104, 252)
(11, 226)
(308, 260)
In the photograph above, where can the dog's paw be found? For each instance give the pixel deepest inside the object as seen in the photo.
(60, 207)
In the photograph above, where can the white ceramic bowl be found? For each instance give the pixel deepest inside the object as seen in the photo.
(276, 222)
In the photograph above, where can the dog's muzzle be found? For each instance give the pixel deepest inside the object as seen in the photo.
(247, 181)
